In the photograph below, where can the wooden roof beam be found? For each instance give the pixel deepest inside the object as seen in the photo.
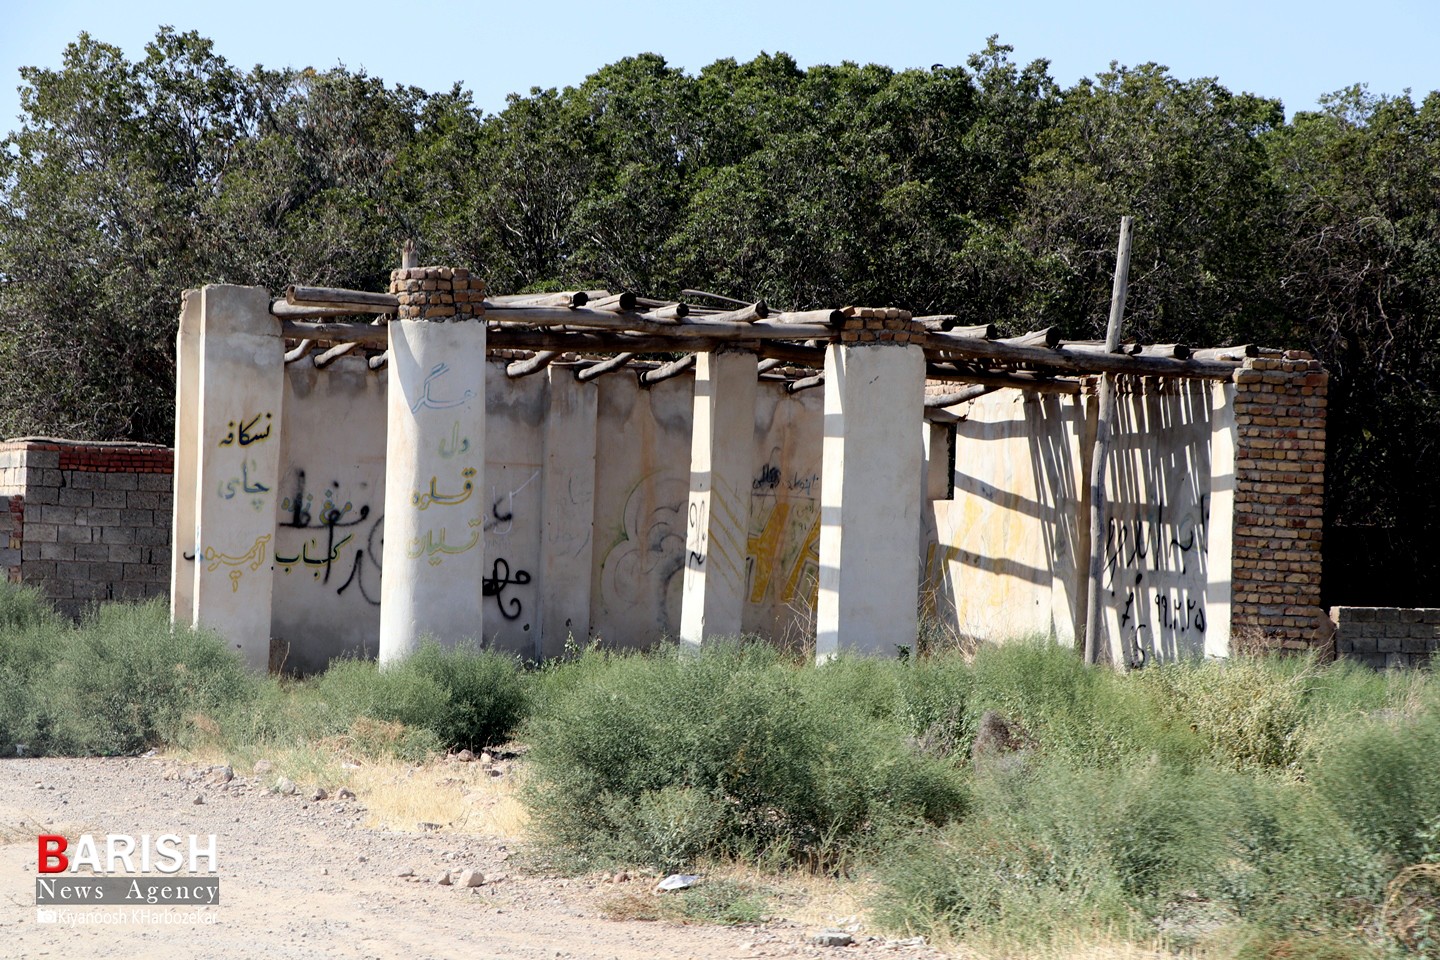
(1019, 381)
(949, 346)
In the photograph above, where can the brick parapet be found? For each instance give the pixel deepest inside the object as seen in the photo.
(437, 293)
(1280, 407)
(1386, 637)
(871, 325)
(89, 521)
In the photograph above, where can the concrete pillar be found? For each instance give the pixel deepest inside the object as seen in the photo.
(870, 488)
(183, 533)
(237, 466)
(1220, 528)
(433, 566)
(717, 518)
(567, 544)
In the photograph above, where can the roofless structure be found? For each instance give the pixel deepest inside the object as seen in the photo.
(896, 416)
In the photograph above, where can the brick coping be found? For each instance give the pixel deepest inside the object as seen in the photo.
(56, 443)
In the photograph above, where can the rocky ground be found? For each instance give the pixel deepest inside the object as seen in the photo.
(302, 877)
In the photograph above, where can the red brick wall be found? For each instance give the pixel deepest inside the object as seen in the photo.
(1279, 500)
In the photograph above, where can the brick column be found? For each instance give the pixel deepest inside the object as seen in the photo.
(12, 525)
(434, 550)
(1279, 500)
(870, 486)
(722, 465)
(237, 467)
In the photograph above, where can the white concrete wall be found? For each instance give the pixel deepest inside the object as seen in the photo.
(434, 508)
(514, 452)
(783, 548)
(642, 482)
(1157, 521)
(870, 500)
(330, 512)
(722, 470)
(241, 367)
(1000, 558)
(1007, 556)
(1003, 558)
(618, 513)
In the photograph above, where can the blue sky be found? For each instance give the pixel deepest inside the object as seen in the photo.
(1293, 50)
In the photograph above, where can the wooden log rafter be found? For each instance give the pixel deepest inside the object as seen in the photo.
(1018, 381)
(973, 392)
(616, 324)
(665, 371)
(523, 368)
(603, 367)
(324, 360)
(299, 350)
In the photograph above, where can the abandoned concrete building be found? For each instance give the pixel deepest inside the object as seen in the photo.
(522, 476)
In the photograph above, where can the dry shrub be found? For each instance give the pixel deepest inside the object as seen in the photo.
(1411, 912)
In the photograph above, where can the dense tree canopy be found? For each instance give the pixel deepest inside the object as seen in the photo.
(985, 190)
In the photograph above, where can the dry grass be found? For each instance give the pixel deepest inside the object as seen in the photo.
(24, 829)
(632, 905)
(459, 797)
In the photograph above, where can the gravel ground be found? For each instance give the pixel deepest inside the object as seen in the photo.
(301, 878)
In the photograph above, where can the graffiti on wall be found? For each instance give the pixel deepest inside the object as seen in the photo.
(429, 401)
(502, 508)
(344, 535)
(365, 567)
(782, 562)
(1155, 574)
(648, 549)
(495, 585)
(246, 434)
(422, 500)
(783, 553)
(253, 559)
(329, 518)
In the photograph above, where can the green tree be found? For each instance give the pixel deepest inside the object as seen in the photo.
(1186, 159)
(102, 224)
(1360, 277)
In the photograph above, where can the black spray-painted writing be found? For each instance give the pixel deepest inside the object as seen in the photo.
(495, 584)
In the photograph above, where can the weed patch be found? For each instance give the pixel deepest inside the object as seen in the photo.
(734, 752)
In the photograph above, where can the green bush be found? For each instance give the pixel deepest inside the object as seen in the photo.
(935, 705)
(1076, 713)
(125, 679)
(668, 757)
(21, 609)
(1295, 861)
(1130, 849)
(1382, 776)
(1250, 713)
(1054, 847)
(466, 697)
(487, 693)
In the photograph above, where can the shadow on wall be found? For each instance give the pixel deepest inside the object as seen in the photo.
(1158, 506)
(1000, 557)
(1008, 555)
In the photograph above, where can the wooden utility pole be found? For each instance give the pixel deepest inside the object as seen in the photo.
(1094, 625)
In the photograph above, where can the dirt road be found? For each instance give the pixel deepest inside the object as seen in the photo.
(301, 878)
